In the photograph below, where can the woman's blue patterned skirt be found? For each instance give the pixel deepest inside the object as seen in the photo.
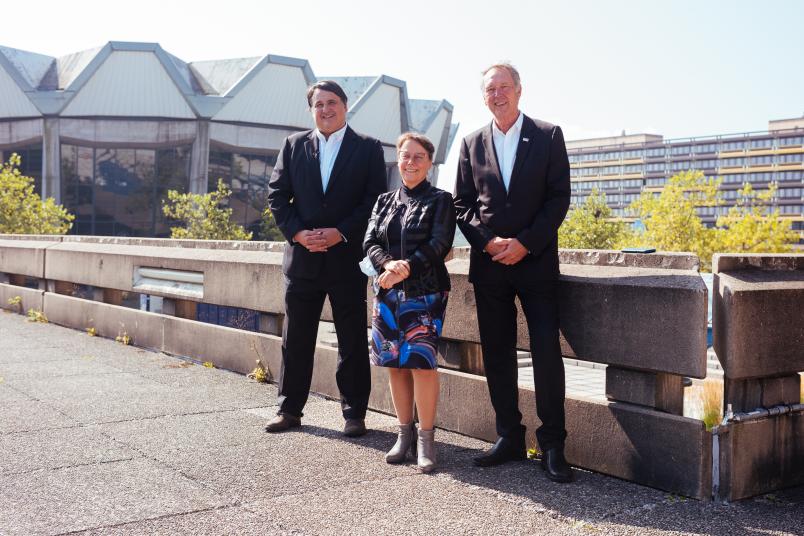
(406, 335)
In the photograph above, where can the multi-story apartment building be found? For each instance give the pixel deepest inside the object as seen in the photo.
(624, 166)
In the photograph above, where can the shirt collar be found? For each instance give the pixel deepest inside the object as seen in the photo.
(515, 128)
(335, 136)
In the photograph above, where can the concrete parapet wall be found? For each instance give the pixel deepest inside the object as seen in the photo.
(24, 257)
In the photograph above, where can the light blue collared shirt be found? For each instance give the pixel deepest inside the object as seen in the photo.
(328, 152)
(505, 144)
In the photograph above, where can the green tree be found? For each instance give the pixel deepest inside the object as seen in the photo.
(22, 211)
(269, 230)
(672, 223)
(750, 226)
(670, 218)
(591, 225)
(203, 215)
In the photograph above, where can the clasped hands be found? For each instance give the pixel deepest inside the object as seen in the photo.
(395, 271)
(506, 250)
(318, 240)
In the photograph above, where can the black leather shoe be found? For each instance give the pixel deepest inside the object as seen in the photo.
(506, 449)
(556, 467)
(354, 428)
(282, 422)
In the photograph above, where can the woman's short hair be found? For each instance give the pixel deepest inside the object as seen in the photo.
(421, 139)
(325, 85)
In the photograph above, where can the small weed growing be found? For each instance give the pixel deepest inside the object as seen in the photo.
(712, 403)
(124, 338)
(260, 373)
(209, 364)
(92, 332)
(16, 303)
(35, 315)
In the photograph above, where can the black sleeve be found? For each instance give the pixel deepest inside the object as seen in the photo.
(377, 184)
(372, 245)
(280, 195)
(557, 199)
(466, 204)
(441, 236)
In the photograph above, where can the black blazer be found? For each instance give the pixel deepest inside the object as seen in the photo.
(531, 210)
(298, 202)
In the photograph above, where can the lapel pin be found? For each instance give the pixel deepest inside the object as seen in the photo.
(525, 139)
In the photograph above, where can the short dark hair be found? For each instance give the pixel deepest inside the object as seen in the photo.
(421, 139)
(326, 85)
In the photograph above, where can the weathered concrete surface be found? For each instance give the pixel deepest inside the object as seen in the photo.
(121, 441)
(257, 273)
(23, 257)
(651, 319)
(465, 403)
(747, 395)
(660, 391)
(757, 317)
(759, 456)
(31, 298)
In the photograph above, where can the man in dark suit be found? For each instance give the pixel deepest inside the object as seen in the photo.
(321, 193)
(512, 193)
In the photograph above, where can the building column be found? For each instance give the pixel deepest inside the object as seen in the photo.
(199, 164)
(51, 159)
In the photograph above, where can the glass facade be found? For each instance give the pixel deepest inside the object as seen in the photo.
(119, 191)
(31, 165)
(247, 175)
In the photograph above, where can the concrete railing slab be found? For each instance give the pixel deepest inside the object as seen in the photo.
(758, 316)
(23, 257)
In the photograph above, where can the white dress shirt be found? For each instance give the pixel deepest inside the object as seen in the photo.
(328, 152)
(505, 144)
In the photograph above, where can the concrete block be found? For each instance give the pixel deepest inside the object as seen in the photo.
(748, 395)
(31, 298)
(758, 321)
(651, 319)
(761, 456)
(666, 260)
(23, 257)
(250, 279)
(144, 328)
(642, 445)
(656, 390)
(640, 318)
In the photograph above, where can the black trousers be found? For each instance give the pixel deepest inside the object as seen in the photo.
(304, 300)
(496, 314)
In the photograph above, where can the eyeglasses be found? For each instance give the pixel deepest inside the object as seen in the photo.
(415, 158)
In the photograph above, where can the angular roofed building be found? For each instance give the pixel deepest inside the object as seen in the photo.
(108, 131)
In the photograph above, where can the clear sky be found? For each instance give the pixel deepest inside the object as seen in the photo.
(679, 68)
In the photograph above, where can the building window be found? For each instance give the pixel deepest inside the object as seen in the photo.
(119, 191)
(733, 146)
(762, 144)
(680, 150)
(30, 162)
(790, 158)
(795, 140)
(247, 175)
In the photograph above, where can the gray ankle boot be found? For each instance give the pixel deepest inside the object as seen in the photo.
(427, 451)
(406, 440)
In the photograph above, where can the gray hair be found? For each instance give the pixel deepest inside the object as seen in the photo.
(506, 66)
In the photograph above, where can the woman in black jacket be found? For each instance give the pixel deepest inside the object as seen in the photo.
(409, 235)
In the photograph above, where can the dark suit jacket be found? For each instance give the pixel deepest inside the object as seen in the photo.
(298, 201)
(531, 210)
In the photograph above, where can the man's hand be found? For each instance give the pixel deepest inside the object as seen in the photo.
(400, 268)
(389, 279)
(331, 236)
(313, 240)
(496, 245)
(512, 253)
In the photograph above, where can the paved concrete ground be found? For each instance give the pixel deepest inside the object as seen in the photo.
(98, 438)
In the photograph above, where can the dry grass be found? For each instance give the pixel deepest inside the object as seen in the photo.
(801, 388)
(706, 402)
